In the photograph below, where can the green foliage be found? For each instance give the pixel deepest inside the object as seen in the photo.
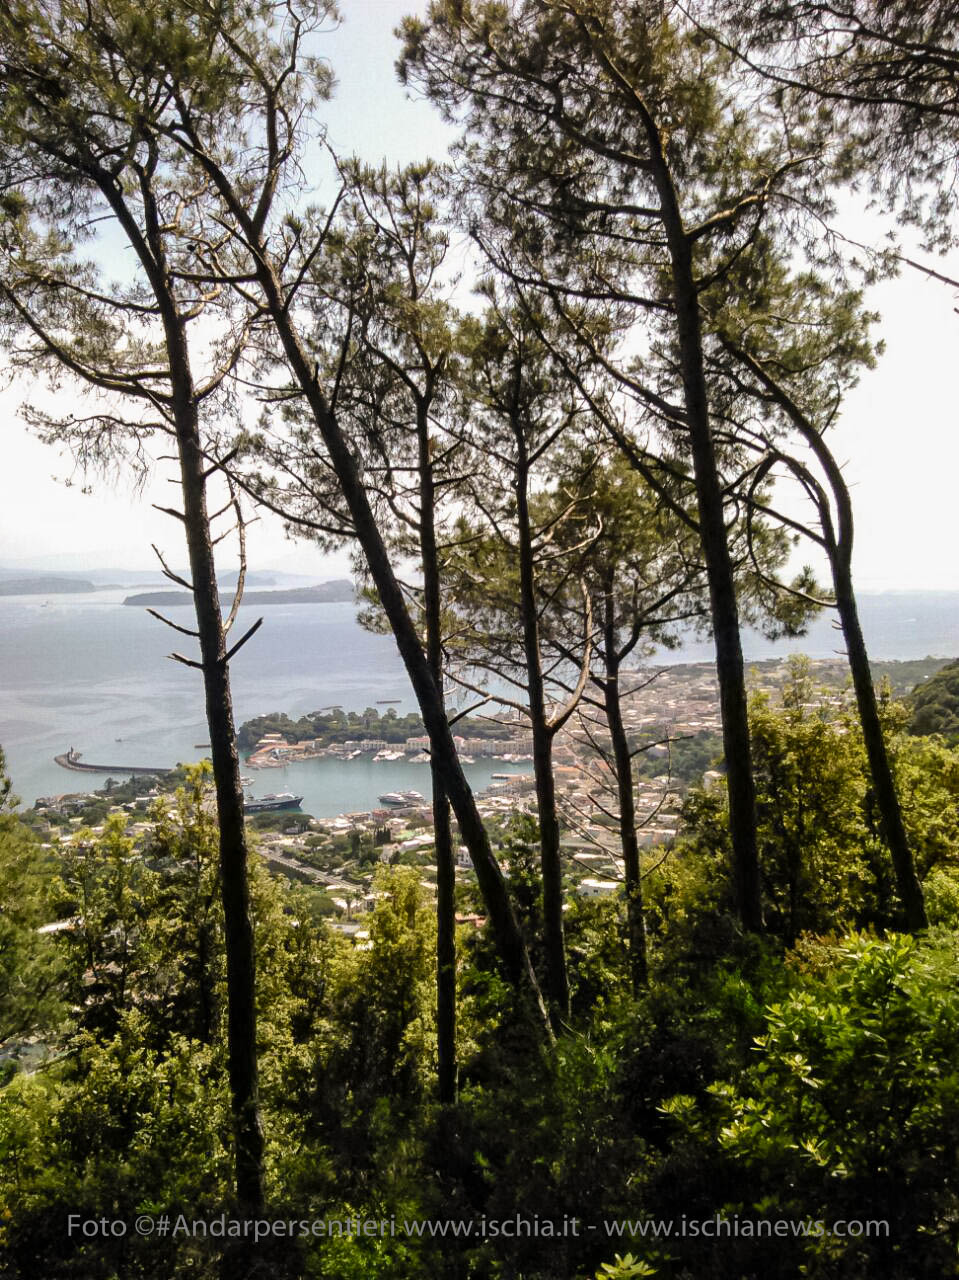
(849, 1109)
(31, 985)
(332, 726)
(734, 1086)
(927, 774)
(367, 1055)
(935, 705)
(120, 1129)
(825, 1087)
(823, 863)
(689, 758)
(622, 1267)
(810, 771)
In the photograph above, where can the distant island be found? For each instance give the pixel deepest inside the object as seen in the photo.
(47, 585)
(341, 589)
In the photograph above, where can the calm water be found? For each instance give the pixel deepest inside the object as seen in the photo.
(84, 671)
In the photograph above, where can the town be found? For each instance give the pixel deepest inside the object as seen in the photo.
(672, 718)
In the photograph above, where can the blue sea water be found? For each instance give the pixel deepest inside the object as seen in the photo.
(88, 672)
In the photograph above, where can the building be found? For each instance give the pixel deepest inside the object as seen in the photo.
(590, 888)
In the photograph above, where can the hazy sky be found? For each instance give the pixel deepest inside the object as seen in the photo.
(897, 436)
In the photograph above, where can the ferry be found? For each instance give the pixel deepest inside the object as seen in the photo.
(267, 804)
(402, 798)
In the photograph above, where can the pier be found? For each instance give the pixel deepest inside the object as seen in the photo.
(71, 760)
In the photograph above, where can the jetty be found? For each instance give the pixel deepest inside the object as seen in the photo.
(72, 760)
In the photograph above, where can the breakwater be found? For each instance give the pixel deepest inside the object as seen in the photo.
(71, 760)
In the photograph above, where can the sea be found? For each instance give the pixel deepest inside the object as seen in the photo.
(88, 672)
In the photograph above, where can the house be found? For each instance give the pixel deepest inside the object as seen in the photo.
(591, 888)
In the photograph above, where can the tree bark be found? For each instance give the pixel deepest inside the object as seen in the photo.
(719, 569)
(442, 829)
(234, 881)
(884, 785)
(838, 541)
(557, 978)
(629, 842)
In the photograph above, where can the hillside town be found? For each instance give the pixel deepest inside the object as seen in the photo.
(671, 715)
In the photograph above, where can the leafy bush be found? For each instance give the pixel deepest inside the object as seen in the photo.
(848, 1111)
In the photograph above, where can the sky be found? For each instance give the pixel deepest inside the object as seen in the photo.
(897, 436)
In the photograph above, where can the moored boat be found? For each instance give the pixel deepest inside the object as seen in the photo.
(269, 803)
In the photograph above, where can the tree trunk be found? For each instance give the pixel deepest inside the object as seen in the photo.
(884, 786)
(838, 542)
(629, 842)
(719, 569)
(442, 829)
(557, 978)
(234, 883)
(445, 943)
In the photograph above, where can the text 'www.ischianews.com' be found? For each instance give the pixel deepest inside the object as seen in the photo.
(717, 1228)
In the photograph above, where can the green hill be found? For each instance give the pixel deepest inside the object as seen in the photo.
(935, 703)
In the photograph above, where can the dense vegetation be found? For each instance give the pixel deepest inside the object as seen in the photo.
(337, 725)
(787, 1078)
(935, 704)
(332, 725)
(538, 485)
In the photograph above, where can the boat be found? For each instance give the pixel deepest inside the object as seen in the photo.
(388, 702)
(501, 777)
(393, 797)
(389, 755)
(271, 803)
(413, 797)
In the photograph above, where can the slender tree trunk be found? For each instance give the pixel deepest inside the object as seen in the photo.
(629, 842)
(557, 978)
(884, 786)
(719, 568)
(445, 943)
(839, 542)
(503, 923)
(148, 244)
(442, 827)
(234, 882)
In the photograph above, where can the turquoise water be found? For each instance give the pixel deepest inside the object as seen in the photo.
(85, 671)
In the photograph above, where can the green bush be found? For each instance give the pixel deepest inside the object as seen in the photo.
(848, 1110)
